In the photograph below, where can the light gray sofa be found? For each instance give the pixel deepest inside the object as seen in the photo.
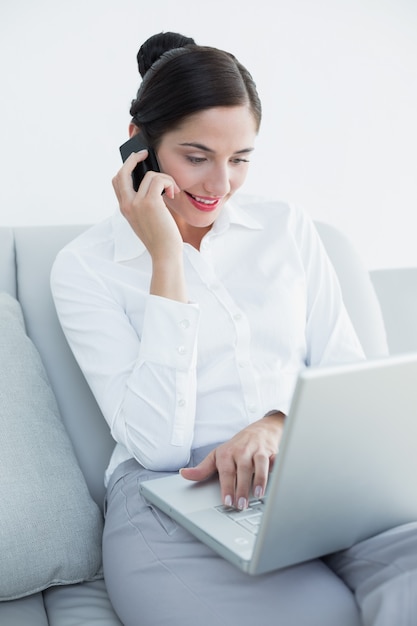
(26, 255)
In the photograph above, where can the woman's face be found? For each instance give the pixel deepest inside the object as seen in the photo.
(208, 157)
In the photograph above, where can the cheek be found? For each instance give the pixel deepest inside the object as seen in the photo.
(239, 176)
(183, 176)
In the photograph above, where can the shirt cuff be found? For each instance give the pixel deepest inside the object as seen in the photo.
(169, 333)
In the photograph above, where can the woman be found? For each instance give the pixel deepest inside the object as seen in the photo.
(191, 317)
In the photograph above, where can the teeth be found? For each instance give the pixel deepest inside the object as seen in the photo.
(204, 200)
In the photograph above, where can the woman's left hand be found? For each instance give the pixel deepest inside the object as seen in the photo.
(244, 462)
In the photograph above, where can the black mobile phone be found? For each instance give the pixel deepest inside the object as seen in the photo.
(135, 144)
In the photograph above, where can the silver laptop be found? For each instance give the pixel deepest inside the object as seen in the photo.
(346, 470)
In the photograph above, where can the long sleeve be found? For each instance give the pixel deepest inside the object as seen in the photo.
(140, 365)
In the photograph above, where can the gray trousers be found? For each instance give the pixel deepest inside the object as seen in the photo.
(158, 574)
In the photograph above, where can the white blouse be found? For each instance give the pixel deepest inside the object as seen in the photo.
(170, 377)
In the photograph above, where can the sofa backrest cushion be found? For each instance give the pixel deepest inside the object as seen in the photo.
(50, 527)
(359, 295)
(36, 249)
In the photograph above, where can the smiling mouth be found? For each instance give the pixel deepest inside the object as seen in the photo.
(203, 204)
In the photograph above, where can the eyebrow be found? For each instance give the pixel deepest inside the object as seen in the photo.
(201, 146)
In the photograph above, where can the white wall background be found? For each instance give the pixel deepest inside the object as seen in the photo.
(338, 81)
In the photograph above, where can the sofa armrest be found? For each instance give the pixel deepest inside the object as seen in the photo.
(397, 292)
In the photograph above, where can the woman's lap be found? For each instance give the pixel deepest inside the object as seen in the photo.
(157, 573)
(382, 571)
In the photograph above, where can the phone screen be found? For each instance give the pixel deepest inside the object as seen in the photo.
(135, 144)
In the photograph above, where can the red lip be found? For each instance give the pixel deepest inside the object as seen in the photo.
(202, 206)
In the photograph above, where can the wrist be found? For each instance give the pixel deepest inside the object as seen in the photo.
(275, 419)
(168, 279)
(276, 412)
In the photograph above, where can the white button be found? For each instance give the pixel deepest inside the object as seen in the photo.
(252, 408)
(181, 349)
(185, 323)
(181, 402)
(243, 364)
(237, 316)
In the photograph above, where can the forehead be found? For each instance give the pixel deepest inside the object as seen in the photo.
(232, 123)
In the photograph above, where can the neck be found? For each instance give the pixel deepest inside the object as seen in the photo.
(192, 235)
(195, 238)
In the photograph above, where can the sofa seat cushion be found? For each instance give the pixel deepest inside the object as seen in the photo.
(50, 528)
(27, 611)
(86, 603)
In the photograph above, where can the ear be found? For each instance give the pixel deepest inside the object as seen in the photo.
(133, 129)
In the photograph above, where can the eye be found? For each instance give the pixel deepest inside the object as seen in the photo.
(240, 160)
(195, 160)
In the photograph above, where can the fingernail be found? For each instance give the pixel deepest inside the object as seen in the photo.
(242, 504)
(258, 493)
(228, 501)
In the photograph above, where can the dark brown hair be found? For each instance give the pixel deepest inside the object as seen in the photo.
(181, 78)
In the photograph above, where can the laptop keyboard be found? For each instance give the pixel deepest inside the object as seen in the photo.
(249, 518)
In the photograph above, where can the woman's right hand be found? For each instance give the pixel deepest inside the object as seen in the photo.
(145, 210)
(150, 219)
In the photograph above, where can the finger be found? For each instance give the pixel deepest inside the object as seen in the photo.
(203, 470)
(262, 467)
(134, 158)
(244, 478)
(158, 183)
(226, 469)
(122, 182)
(209, 466)
(172, 189)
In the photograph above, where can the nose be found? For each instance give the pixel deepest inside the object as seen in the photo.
(217, 182)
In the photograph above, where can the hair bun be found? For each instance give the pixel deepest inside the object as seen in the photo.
(155, 46)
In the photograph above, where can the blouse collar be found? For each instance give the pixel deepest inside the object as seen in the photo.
(128, 246)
